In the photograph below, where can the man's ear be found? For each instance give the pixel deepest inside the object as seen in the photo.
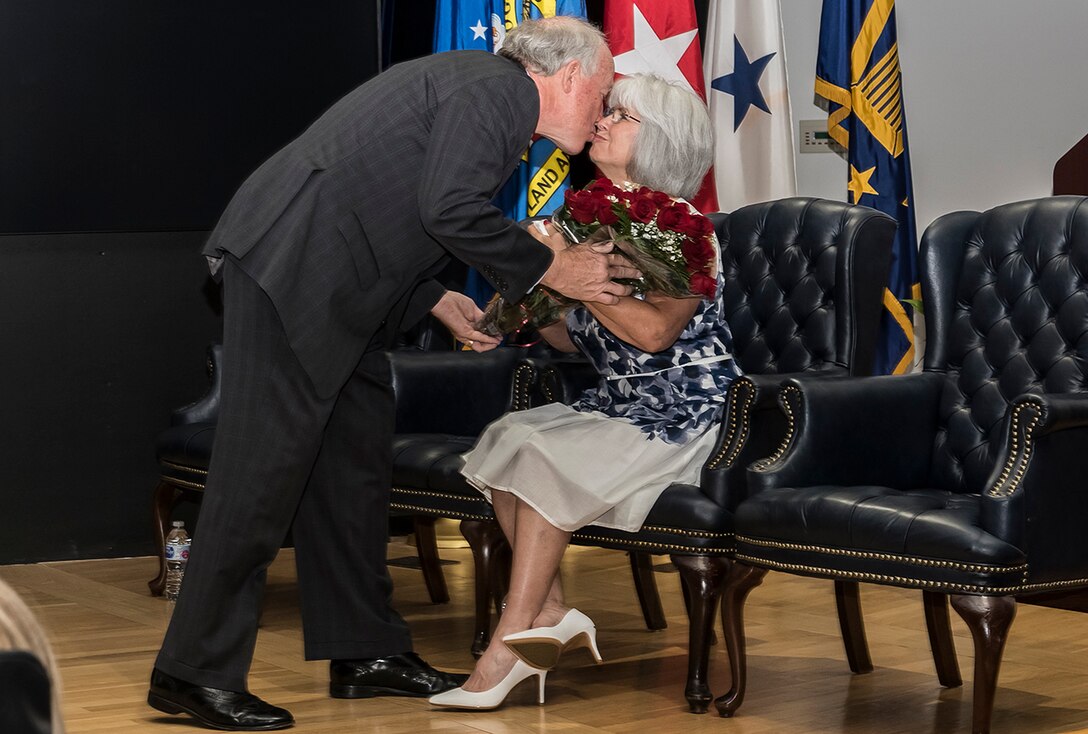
(568, 72)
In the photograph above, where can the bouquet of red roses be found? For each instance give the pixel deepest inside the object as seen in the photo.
(664, 238)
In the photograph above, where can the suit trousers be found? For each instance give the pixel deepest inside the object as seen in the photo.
(286, 459)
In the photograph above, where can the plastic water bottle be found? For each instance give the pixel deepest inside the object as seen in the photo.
(177, 555)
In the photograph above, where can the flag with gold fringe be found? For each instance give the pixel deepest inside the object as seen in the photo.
(858, 82)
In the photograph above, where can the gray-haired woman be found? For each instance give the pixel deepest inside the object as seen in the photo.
(664, 364)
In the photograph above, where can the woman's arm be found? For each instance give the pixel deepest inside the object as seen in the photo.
(557, 336)
(652, 324)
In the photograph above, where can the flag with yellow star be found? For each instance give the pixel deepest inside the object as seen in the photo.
(859, 84)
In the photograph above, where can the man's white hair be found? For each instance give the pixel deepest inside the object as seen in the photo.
(545, 45)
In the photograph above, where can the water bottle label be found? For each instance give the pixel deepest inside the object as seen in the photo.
(177, 551)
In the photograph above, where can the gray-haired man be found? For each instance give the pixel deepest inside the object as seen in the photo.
(326, 250)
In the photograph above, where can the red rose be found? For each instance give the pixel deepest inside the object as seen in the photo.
(698, 253)
(581, 206)
(660, 198)
(603, 185)
(643, 209)
(695, 225)
(671, 217)
(704, 285)
(605, 213)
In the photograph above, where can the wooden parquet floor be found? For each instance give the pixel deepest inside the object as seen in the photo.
(106, 628)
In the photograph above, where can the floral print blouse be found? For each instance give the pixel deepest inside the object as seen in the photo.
(674, 395)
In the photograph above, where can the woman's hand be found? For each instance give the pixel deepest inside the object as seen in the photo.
(545, 232)
(460, 314)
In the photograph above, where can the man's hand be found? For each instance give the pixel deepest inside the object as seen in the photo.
(585, 273)
(460, 313)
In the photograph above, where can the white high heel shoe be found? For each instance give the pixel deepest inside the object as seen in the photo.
(542, 646)
(493, 697)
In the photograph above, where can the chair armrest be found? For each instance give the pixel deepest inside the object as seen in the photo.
(206, 409)
(766, 387)
(1035, 496)
(752, 427)
(457, 393)
(854, 431)
(562, 379)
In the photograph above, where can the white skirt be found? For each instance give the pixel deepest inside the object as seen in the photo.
(579, 468)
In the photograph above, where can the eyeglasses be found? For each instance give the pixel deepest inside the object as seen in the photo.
(618, 114)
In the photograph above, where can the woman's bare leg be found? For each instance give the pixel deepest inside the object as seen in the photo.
(505, 505)
(538, 547)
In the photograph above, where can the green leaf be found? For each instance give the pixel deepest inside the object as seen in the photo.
(915, 303)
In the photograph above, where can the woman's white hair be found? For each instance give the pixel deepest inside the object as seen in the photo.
(545, 45)
(675, 143)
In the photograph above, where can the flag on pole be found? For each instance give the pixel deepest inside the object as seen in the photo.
(745, 65)
(537, 186)
(660, 37)
(859, 83)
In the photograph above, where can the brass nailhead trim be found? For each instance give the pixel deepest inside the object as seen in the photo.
(745, 401)
(903, 581)
(1017, 464)
(442, 495)
(182, 467)
(681, 531)
(873, 555)
(785, 396)
(444, 513)
(182, 483)
(523, 374)
(648, 544)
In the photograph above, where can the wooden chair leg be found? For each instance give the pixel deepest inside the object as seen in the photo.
(642, 571)
(704, 578)
(166, 496)
(989, 619)
(687, 609)
(852, 625)
(483, 537)
(429, 562)
(941, 642)
(738, 584)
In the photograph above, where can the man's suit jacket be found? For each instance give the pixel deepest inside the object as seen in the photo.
(344, 226)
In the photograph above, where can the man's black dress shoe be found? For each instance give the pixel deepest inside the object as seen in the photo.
(396, 675)
(214, 707)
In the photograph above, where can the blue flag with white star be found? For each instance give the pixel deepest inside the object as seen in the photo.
(859, 83)
(537, 186)
(745, 67)
(460, 24)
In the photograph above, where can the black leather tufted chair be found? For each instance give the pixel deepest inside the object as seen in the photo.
(444, 401)
(963, 481)
(803, 289)
(184, 448)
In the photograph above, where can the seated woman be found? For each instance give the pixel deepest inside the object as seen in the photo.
(665, 364)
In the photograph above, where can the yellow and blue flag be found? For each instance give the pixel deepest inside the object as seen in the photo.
(536, 187)
(859, 83)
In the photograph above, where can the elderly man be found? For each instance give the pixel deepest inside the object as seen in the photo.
(324, 253)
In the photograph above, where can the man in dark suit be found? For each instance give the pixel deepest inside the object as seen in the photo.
(324, 253)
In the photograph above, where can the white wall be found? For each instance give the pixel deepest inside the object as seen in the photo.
(995, 92)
